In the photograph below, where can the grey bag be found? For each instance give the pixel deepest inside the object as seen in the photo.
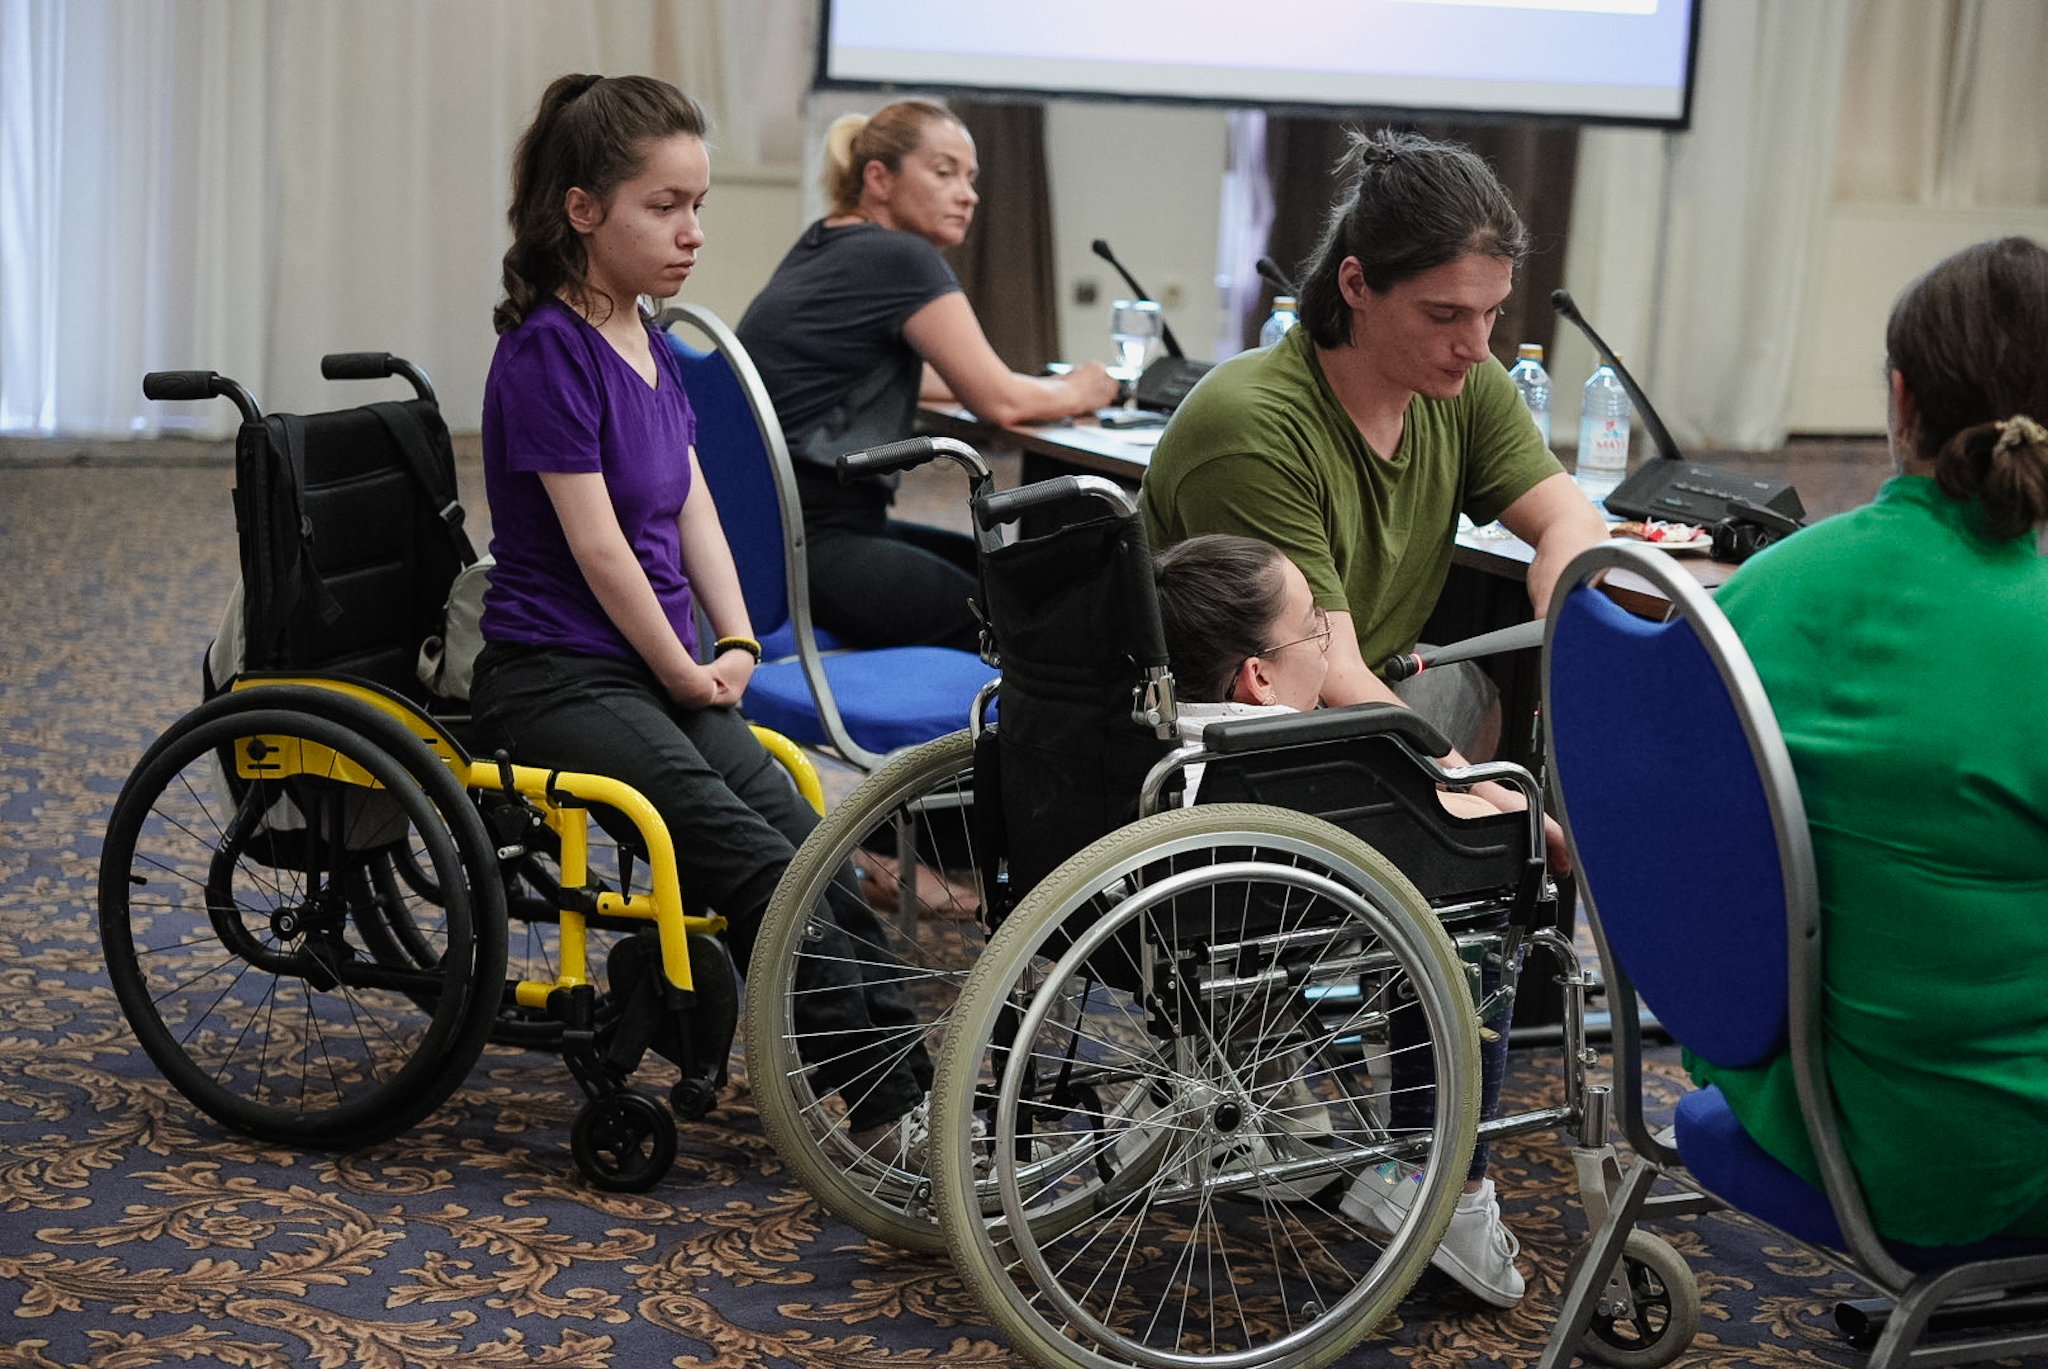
(448, 661)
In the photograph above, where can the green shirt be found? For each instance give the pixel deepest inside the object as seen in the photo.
(1262, 448)
(1904, 655)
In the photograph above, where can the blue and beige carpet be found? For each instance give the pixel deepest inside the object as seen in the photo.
(134, 1231)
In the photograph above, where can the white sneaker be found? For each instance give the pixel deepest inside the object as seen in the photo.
(1291, 1105)
(906, 1143)
(1478, 1250)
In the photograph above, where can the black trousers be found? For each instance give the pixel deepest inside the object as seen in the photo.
(878, 582)
(735, 819)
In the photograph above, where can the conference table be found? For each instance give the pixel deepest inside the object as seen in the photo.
(1084, 446)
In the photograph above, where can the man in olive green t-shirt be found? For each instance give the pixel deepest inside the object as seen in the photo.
(1354, 444)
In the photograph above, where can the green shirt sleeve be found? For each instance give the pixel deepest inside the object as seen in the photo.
(1253, 494)
(1507, 456)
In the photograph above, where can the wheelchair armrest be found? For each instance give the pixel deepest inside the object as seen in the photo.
(1237, 735)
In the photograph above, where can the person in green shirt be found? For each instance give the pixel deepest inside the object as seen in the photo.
(1355, 442)
(1903, 646)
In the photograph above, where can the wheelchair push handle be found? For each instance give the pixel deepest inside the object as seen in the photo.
(1007, 506)
(913, 452)
(177, 385)
(376, 366)
(1519, 637)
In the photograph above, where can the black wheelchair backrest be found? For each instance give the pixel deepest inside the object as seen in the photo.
(350, 537)
(1357, 767)
(1076, 626)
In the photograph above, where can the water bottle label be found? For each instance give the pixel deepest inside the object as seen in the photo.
(1609, 448)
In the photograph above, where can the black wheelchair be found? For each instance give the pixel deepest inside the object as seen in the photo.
(318, 909)
(1166, 1038)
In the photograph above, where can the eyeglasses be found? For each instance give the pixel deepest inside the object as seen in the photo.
(1321, 636)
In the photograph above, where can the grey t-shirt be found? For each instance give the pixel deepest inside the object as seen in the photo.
(826, 333)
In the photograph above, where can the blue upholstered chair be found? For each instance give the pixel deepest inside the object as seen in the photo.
(1687, 829)
(862, 703)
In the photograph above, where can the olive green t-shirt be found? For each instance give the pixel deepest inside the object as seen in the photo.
(1904, 654)
(1263, 449)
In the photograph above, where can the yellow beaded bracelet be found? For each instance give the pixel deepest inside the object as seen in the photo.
(746, 644)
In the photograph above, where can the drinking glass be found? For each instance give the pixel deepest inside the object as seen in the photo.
(1134, 324)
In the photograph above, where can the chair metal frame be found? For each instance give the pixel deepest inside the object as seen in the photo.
(795, 607)
(1616, 1199)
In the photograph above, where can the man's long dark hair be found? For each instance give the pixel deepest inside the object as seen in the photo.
(1410, 204)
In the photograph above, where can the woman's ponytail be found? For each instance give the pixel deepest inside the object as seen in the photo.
(1968, 341)
(2004, 465)
(886, 136)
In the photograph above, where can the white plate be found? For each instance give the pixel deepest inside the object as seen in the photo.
(1702, 543)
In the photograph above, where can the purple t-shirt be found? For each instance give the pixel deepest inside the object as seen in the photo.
(560, 399)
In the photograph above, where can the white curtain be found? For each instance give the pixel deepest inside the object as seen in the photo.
(1945, 102)
(1245, 219)
(240, 187)
(1694, 254)
(1691, 253)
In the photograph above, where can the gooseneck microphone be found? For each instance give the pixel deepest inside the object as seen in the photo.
(1101, 248)
(1269, 270)
(1562, 302)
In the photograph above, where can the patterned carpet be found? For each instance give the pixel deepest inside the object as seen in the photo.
(134, 1231)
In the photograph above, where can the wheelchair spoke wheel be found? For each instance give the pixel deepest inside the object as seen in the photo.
(885, 893)
(1185, 1046)
(261, 950)
(1650, 1310)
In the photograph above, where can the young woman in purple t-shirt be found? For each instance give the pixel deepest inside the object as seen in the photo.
(606, 540)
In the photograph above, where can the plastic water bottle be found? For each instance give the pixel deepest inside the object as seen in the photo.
(1279, 321)
(1603, 434)
(1532, 382)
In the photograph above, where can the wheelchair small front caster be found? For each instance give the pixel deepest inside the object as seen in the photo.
(1650, 1310)
(691, 1098)
(623, 1142)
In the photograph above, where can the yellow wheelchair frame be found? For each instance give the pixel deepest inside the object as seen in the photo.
(364, 975)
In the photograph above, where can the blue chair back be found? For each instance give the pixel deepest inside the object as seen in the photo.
(734, 436)
(1681, 805)
(1686, 824)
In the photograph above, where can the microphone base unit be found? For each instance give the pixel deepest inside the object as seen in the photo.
(1166, 382)
(1689, 492)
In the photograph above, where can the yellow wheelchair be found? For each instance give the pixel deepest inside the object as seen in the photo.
(317, 908)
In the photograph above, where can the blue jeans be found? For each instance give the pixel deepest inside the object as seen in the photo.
(1413, 1076)
(735, 820)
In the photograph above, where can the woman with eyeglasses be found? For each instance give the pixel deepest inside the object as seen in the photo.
(1243, 630)
(1245, 638)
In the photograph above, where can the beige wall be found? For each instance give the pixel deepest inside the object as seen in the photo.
(1144, 177)
(751, 217)
(1871, 253)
